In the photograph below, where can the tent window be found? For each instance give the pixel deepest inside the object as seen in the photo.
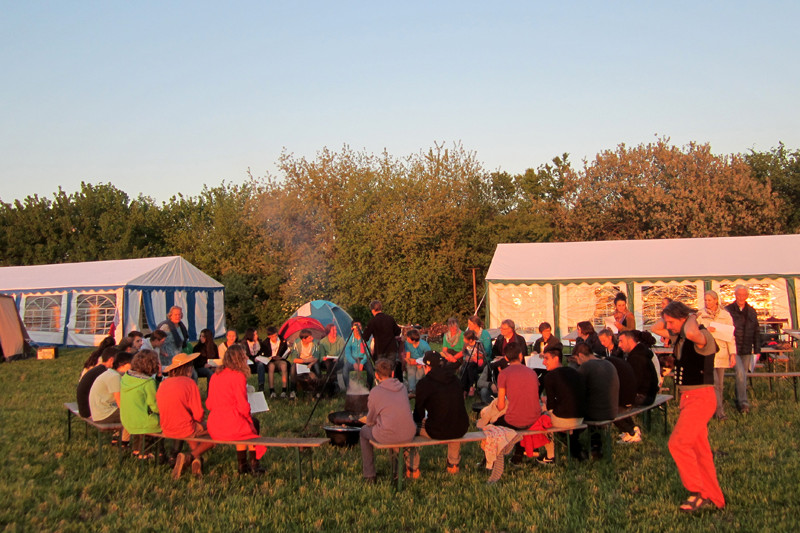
(95, 313)
(653, 295)
(43, 313)
(604, 304)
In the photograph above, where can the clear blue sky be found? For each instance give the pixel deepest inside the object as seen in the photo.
(164, 97)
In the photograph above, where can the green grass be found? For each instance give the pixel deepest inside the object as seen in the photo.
(47, 484)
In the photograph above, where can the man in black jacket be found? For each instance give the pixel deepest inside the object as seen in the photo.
(441, 395)
(384, 330)
(748, 342)
(508, 335)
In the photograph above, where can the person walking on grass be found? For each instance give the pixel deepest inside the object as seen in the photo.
(181, 412)
(694, 378)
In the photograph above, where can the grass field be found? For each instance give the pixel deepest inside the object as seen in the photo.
(47, 484)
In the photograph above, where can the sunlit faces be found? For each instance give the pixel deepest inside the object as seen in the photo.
(546, 334)
(551, 361)
(175, 315)
(137, 343)
(674, 325)
(626, 343)
(307, 340)
(711, 302)
(506, 331)
(621, 306)
(741, 296)
(607, 341)
(230, 337)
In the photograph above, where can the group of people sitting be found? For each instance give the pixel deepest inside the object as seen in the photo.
(126, 385)
(594, 385)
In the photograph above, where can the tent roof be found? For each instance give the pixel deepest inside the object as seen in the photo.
(173, 271)
(727, 257)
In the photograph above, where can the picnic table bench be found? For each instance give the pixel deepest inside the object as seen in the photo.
(771, 375)
(102, 429)
(660, 403)
(472, 436)
(301, 446)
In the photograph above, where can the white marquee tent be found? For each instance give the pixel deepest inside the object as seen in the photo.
(566, 282)
(75, 304)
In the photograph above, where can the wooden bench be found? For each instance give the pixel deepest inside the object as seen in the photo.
(473, 436)
(102, 429)
(771, 375)
(660, 403)
(301, 446)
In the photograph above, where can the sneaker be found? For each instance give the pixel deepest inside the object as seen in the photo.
(292, 395)
(197, 467)
(272, 395)
(631, 439)
(547, 461)
(180, 463)
(283, 395)
(452, 469)
(412, 474)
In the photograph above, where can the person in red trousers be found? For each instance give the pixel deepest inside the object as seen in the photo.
(694, 376)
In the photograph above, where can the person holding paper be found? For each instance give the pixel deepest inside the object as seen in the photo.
(229, 415)
(748, 343)
(508, 335)
(255, 349)
(208, 352)
(181, 412)
(274, 350)
(476, 324)
(355, 357)
(547, 340)
(415, 351)
(623, 318)
(305, 360)
(713, 316)
(330, 347)
(474, 359)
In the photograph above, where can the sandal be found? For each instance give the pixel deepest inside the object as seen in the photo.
(694, 503)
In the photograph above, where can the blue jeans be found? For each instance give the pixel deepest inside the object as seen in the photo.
(743, 363)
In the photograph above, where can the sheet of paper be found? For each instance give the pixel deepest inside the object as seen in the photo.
(302, 369)
(262, 359)
(571, 336)
(258, 402)
(722, 332)
(534, 361)
(420, 362)
(215, 362)
(611, 324)
(331, 358)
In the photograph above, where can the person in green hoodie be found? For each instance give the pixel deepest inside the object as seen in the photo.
(138, 409)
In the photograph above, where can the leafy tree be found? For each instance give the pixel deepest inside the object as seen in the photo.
(658, 190)
(780, 168)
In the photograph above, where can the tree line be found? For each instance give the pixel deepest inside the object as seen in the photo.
(351, 226)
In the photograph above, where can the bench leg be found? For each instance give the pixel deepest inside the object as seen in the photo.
(299, 467)
(69, 425)
(400, 472)
(100, 448)
(794, 386)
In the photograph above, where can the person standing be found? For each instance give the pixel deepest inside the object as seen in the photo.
(384, 330)
(623, 318)
(694, 348)
(177, 335)
(748, 342)
(726, 356)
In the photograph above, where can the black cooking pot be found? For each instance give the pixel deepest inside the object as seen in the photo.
(342, 435)
(346, 418)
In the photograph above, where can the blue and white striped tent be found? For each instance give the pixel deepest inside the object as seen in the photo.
(76, 304)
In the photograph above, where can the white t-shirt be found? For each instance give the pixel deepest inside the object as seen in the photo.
(101, 396)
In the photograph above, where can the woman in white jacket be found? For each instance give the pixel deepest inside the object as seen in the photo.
(726, 356)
